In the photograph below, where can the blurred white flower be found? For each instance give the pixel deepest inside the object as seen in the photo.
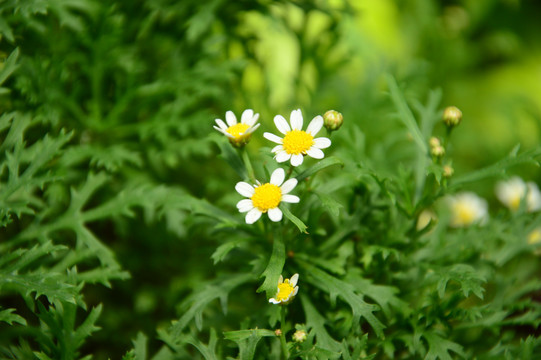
(512, 191)
(466, 209)
(238, 133)
(286, 290)
(296, 143)
(265, 198)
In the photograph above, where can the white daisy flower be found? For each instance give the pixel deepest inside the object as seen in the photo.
(265, 198)
(239, 134)
(286, 290)
(466, 209)
(296, 143)
(511, 193)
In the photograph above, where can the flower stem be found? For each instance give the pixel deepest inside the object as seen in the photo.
(248, 164)
(285, 352)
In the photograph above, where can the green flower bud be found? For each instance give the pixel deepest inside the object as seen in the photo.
(435, 147)
(452, 116)
(299, 336)
(332, 120)
(448, 171)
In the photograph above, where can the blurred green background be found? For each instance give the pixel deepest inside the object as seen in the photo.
(144, 80)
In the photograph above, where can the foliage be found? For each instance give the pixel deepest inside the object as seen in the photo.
(119, 236)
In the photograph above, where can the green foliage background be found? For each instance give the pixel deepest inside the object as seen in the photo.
(119, 235)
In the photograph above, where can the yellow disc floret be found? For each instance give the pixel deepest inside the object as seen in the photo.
(238, 130)
(297, 142)
(284, 290)
(465, 214)
(267, 196)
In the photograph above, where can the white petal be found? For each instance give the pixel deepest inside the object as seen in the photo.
(221, 124)
(273, 138)
(246, 116)
(278, 176)
(315, 153)
(288, 198)
(293, 280)
(315, 125)
(281, 124)
(252, 120)
(252, 129)
(253, 215)
(296, 119)
(274, 301)
(245, 189)
(280, 280)
(275, 214)
(282, 156)
(230, 118)
(296, 159)
(277, 148)
(288, 185)
(245, 205)
(295, 291)
(223, 132)
(322, 142)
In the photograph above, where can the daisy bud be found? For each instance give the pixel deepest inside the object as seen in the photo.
(278, 332)
(435, 147)
(452, 116)
(299, 336)
(332, 120)
(448, 171)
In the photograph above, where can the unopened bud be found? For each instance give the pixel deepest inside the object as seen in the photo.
(434, 141)
(332, 120)
(452, 116)
(278, 332)
(448, 171)
(299, 336)
(435, 147)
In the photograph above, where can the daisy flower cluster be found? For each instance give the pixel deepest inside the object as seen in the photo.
(294, 144)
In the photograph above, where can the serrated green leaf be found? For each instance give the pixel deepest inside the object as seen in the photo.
(468, 278)
(316, 322)
(239, 335)
(295, 220)
(320, 165)
(140, 346)
(330, 203)
(9, 317)
(439, 348)
(10, 65)
(208, 351)
(274, 268)
(405, 114)
(336, 287)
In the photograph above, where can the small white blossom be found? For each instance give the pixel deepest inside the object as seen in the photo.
(286, 290)
(512, 191)
(296, 142)
(466, 209)
(238, 133)
(265, 198)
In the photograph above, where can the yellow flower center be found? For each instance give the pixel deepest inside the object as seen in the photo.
(267, 196)
(297, 142)
(465, 214)
(284, 290)
(534, 237)
(238, 130)
(514, 203)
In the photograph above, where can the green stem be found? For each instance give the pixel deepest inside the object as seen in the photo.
(248, 164)
(285, 352)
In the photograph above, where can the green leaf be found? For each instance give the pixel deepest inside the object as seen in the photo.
(239, 335)
(468, 277)
(499, 168)
(194, 305)
(330, 203)
(10, 318)
(316, 322)
(274, 268)
(10, 65)
(221, 251)
(405, 114)
(230, 155)
(439, 348)
(320, 165)
(295, 220)
(140, 346)
(208, 351)
(336, 287)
